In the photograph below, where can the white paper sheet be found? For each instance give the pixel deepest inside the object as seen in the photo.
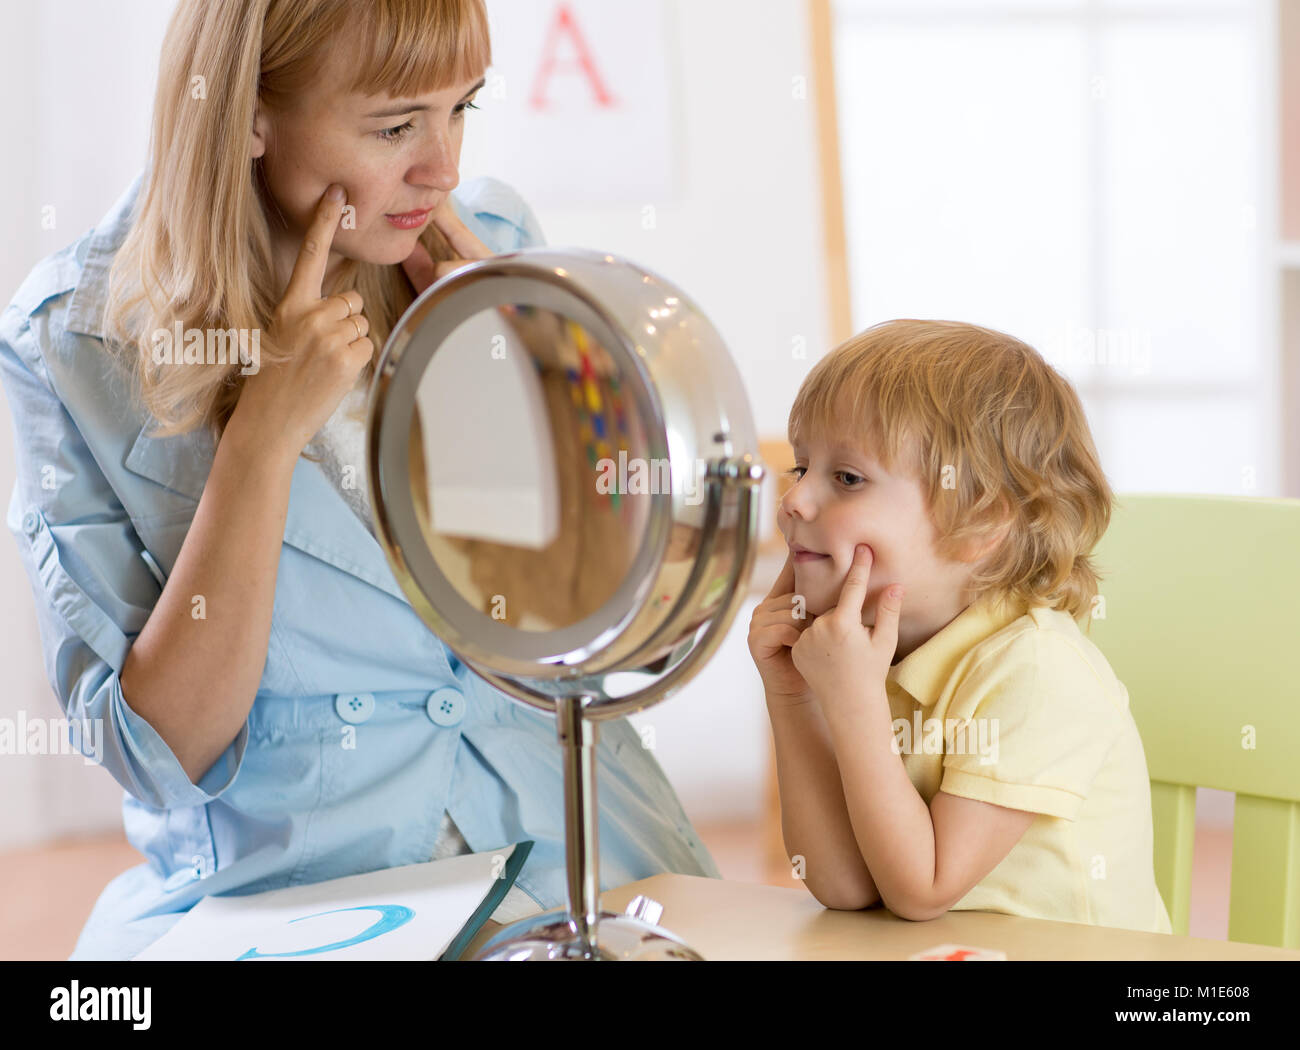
(407, 913)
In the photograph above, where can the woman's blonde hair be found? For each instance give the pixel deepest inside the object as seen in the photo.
(997, 438)
(199, 248)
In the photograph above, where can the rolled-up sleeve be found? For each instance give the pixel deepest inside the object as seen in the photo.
(92, 586)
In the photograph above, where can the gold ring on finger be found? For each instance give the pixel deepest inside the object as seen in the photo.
(346, 301)
(356, 326)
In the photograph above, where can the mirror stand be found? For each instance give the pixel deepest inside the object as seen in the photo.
(584, 932)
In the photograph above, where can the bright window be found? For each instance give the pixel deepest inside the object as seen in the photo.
(1084, 175)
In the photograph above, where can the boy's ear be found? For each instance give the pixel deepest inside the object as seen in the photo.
(992, 536)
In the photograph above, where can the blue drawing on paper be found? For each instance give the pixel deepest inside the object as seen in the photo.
(391, 916)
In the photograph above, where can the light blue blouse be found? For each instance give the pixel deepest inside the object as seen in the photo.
(100, 510)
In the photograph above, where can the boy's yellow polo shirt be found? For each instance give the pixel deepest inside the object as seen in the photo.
(1018, 708)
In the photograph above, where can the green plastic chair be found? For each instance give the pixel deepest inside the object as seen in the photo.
(1199, 615)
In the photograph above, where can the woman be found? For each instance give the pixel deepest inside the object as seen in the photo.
(207, 584)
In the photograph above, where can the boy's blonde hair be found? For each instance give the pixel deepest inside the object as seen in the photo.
(994, 434)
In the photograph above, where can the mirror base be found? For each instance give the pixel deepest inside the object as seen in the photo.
(614, 937)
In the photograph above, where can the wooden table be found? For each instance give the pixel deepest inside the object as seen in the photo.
(745, 921)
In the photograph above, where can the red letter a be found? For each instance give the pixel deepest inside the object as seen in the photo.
(565, 23)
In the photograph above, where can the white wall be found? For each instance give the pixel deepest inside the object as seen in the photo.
(740, 233)
(77, 88)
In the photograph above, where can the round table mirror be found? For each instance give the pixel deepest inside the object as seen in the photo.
(564, 475)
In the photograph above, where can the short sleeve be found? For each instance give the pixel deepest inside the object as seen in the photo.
(1032, 726)
(506, 216)
(93, 588)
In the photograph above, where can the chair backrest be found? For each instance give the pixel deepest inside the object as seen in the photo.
(1199, 615)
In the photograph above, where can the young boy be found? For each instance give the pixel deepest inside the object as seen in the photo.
(962, 745)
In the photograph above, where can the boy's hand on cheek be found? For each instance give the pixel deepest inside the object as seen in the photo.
(843, 661)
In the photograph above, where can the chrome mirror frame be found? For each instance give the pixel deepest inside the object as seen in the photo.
(691, 400)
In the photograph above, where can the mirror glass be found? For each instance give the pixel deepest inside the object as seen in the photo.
(530, 473)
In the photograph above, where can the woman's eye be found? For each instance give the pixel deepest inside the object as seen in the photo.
(397, 133)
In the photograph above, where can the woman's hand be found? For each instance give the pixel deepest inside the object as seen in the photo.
(286, 404)
(774, 628)
(419, 265)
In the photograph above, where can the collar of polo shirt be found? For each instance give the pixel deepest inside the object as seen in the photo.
(927, 668)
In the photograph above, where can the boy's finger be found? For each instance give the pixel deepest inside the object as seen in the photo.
(854, 592)
(782, 610)
(888, 610)
(785, 578)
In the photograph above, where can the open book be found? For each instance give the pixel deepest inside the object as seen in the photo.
(417, 912)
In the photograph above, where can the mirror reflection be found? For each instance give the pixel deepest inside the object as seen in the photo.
(530, 470)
